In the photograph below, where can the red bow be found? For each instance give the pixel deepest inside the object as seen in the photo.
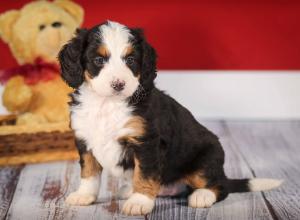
(32, 73)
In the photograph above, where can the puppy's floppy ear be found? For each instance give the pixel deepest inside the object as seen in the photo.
(70, 59)
(148, 64)
(149, 61)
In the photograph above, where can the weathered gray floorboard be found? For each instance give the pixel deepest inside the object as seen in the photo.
(42, 189)
(272, 149)
(8, 180)
(239, 205)
(264, 149)
(236, 206)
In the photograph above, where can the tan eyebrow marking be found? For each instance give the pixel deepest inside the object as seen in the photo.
(103, 51)
(128, 50)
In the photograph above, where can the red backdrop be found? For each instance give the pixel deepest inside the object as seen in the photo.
(235, 34)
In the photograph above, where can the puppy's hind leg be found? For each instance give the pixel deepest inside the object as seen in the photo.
(202, 198)
(204, 194)
(90, 181)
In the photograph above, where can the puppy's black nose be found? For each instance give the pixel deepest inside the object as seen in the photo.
(118, 85)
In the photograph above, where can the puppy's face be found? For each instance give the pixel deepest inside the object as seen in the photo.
(111, 58)
(112, 63)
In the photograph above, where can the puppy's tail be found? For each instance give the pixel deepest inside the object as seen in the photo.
(251, 185)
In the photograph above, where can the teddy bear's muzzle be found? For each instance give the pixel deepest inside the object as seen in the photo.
(48, 47)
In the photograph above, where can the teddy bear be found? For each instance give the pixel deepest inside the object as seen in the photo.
(34, 91)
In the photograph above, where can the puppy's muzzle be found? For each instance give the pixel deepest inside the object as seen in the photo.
(118, 85)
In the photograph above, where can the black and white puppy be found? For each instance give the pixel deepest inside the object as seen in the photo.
(124, 124)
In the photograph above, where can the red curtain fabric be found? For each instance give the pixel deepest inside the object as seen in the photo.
(235, 34)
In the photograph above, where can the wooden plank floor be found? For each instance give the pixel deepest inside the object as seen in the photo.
(253, 149)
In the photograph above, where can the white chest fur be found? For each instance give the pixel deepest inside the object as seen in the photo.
(100, 122)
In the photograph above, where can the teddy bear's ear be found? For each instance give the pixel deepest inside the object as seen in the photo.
(7, 19)
(72, 8)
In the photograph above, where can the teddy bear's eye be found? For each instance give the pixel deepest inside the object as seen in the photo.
(56, 24)
(42, 27)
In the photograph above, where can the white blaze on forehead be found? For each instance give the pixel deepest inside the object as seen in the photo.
(116, 38)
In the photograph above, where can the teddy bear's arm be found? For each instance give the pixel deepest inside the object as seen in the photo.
(17, 95)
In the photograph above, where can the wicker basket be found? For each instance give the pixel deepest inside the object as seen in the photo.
(21, 144)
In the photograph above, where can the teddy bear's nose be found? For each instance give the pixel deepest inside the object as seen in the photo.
(56, 24)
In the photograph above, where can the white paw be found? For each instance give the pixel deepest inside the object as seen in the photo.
(202, 198)
(125, 192)
(138, 204)
(76, 198)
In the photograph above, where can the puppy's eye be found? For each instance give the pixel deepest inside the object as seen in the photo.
(99, 61)
(42, 27)
(129, 60)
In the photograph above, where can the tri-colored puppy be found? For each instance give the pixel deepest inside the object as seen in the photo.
(124, 124)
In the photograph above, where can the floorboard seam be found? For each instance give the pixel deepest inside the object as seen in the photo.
(13, 194)
(268, 204)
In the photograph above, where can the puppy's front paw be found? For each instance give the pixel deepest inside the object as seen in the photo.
(202, 198)
(138, 204)
(125, 192)
(76, 198)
